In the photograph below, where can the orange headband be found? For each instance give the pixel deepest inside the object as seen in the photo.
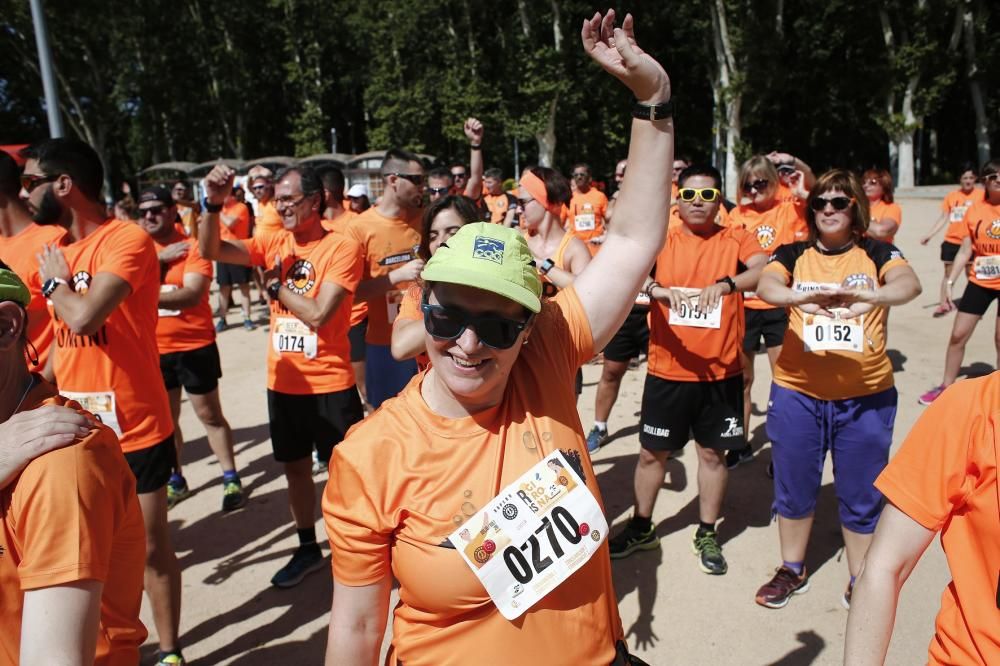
(535, 186)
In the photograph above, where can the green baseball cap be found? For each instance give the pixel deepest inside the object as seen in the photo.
(491, 257)
(11, 287)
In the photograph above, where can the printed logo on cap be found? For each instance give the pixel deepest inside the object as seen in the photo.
(488, 248)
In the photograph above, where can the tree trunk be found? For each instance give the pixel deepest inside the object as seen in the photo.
(547, 139)
(729, 99)
(983, 150)
(904, 140)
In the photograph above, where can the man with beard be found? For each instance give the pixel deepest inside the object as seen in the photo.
(389, 235)
(20, 240)
(103, 287)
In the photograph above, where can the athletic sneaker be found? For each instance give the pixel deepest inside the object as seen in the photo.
(776, 592)
(706, 546)
(232, 495)
(221, 325)
(845, 600)
(631, 539)
(307, 559)
(931, 396)
(736, 457)
(177, 491)
(249, 325)
(318, 465)
(171, 659)
(595, 438)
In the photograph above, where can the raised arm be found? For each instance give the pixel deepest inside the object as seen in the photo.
(474, 132)
(218, 182)
(608, 286)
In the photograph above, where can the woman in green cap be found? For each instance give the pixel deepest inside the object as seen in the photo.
(473, 488)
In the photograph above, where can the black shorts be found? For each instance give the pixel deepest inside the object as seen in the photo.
(356, 336)
(674, 411)
(948, 251)
(231, 274)
(631, 339)
(769, 324)
(300, 422)
(197, 370)
(152, 466)
(976, 300)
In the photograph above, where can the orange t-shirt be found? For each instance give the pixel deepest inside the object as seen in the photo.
(586, 216)
(20, 252)
(409, 310)
(404, 479)
(689, 353)
(267, 220)
(880, 210)
(835, 374)
(192, 328)
(73, 515)
(386, 244)
(955, 205)
(304, 268)
(241, 229)
(119, 365)
(982, 224)
(339, 223)
(779, 225)
(188, 220)
(944, 477)
(497, 206)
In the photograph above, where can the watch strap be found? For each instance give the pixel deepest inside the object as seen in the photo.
(209, 207)
(728, 280)
(653, 111)
(546, 266)
(51, 285)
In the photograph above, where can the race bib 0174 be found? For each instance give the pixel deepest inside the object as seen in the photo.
(292, 336)
(532, 536)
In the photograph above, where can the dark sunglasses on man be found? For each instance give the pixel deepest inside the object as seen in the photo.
(437, 191)
(30, 181)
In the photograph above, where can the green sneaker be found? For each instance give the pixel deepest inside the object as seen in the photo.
(232, 495)
(177, 492)
(631, 539)
(706, 546)
(171, 659)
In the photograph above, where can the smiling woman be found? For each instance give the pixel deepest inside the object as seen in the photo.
(447, 487)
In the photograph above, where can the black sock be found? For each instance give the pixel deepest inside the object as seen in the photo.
(642, 523)
(705, 527)
(307, 536)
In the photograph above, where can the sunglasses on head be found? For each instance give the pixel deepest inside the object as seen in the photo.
(707, 194)
(30, 181)
(759, 185)
(445, 323)
(415, 178)
(839, 203)
(437, 190)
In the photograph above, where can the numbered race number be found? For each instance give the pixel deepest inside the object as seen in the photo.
(101, 404)
(532, 536)
(987, 267)
(585, 222)
(685, 316)
(291, 336)
(164, 289)
(958, 213)
(822, 333)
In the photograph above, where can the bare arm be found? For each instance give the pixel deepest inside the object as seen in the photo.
(474, 132)
(882, 229)
(896, 548)
(59, 624)
(86, 313)
(314, 311)
(29, 434)
(195, 287)
(607, 287)
(376, 286)
(957, 267)
(357, 623)
(938, 225)
(218, 182)
(407, 338)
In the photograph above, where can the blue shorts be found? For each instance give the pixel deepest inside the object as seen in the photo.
(385, 377)
(856, 431)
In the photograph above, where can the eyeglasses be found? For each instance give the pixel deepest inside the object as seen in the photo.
(415, 178)
(580, 174)
(258, 187)
(758, 185)
(152, 210)
(707, 194)
(30, 181)
(458, 174)
(438, 191)
(284, 202)
(989, 178)
(446, 323)
(839, 203)
(872, 181)
(524, 202)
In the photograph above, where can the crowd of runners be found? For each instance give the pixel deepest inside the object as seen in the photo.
(424, 349)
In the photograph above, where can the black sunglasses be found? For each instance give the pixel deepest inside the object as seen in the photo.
(760, 185)
(415, 178)
(839, 203)
(437, 190)
(155, 210)
(446, 323)
(29, 181)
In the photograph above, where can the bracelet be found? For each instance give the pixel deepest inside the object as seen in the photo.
(210, 207)
(653, 111)
(649, 289)
(728, 280)
(476, 146)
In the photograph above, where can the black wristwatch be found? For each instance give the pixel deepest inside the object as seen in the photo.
(209, 207)
(653, 111)
(728, 280)
(546, 266)
(273, 289)
(51, 285)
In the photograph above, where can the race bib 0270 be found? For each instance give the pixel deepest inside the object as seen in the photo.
(532, 536)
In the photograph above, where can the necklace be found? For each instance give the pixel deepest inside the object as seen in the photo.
(27, 390)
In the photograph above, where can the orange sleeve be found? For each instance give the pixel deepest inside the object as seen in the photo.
(258, 247)
(927, 479)
(578, 345)
(66, 506)
(130, 257)
(409, 308)
(360, 533)
(343, 266)
(749, 246)
(895, 213)
(778, 269)
(946, 204)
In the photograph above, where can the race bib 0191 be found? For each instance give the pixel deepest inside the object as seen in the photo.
(292, 336)
(685, 316)
(822, 333)
(532, 536)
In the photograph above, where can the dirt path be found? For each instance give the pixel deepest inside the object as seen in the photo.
(673, 612)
